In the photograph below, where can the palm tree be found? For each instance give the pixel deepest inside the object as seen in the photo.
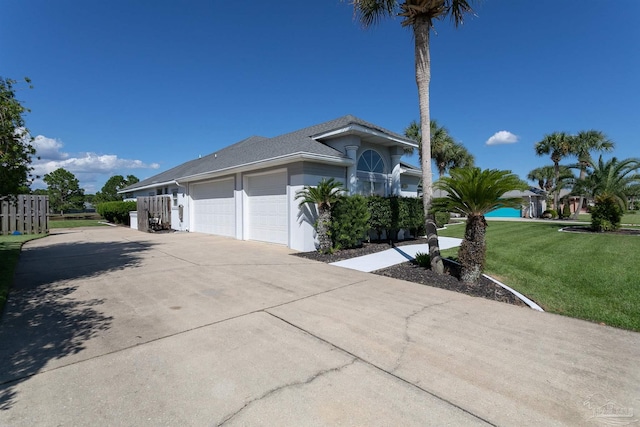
(445, 151)
(609, 183)
(584, 143)
(451, 155)
(474, 192)
(545, 176)
(420, 16)
(324, 195)
(613, 178)
(559, 145)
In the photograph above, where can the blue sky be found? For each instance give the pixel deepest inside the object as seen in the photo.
(137, 87)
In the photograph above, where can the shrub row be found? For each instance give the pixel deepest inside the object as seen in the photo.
(391, 214)
(350, 218)
(353, 217)
(116, 212)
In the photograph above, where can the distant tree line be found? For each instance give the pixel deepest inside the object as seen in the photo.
(65, 194)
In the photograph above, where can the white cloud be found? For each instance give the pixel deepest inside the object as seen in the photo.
(90, 166)
(48, 148)
(502, 137)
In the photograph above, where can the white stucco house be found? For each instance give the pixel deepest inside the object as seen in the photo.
(247, 190)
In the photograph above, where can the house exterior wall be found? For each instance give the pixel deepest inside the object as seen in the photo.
(409, 185)
(180, 202)
(302, 235)
(240, 197)
(340, 143)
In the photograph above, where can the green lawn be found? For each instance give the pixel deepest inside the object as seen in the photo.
(72, 223)
(588, 276)
(9, 254)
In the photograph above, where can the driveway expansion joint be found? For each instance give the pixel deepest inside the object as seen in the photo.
(138, 344)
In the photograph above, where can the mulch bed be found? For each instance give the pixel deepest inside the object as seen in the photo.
(412, 272)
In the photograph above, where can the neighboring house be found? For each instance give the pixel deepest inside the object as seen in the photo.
(533, 204)
(247, 190)
(573, 201)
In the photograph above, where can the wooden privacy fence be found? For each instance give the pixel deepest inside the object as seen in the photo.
(26, 214)
(154, 213)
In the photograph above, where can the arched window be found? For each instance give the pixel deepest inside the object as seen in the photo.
(372, 178)
(371, 161)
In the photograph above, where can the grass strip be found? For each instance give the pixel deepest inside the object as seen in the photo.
(74, 223)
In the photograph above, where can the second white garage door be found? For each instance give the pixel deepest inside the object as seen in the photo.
(214, 208)
(267, 208)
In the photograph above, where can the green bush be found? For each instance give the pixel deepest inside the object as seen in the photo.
(379, 214)
(442, 218)
(349, 222)
(550, 214)
(416, 216)
(566, 211)
(116, 212)
(391, 214)
(423, 260)
(606, 214)
(399, 216)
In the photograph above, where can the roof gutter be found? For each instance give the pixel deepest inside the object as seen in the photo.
(146, 187)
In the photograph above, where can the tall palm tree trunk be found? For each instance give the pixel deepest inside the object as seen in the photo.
(472, 249)
(556, 196)
(583, 174)
(423, 78)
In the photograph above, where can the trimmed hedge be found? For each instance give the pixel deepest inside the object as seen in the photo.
(379, 214)
(354, 217)
(391, 214)
(116, 212)
(349, 222)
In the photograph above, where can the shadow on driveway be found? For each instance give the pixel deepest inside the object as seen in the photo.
(45, 318)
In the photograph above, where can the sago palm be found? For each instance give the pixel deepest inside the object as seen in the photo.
(419, 15)
(324, 195)
(473, 192)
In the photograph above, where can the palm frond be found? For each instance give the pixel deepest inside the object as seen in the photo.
(371, 12)
(474, 191)
(325, 194)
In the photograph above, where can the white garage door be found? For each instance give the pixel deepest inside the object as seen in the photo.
(267, 206)
(214, 208)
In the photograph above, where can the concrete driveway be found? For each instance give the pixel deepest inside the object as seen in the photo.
(109, 326)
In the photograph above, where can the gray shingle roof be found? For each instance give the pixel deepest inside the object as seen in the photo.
(258, 148)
